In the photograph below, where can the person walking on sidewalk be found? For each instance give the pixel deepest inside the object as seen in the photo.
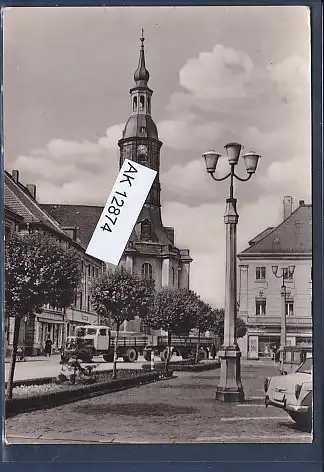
(48, 346)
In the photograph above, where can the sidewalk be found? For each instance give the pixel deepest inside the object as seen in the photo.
(179, 410)
(34, 359)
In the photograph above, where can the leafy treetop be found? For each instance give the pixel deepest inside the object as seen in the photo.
(38, 270)
(174, 310)
(120, 296)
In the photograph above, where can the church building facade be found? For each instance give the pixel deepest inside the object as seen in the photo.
(151, 252)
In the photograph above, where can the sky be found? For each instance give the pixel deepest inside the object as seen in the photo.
(219, 74)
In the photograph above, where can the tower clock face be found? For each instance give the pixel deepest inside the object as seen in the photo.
(142, 150)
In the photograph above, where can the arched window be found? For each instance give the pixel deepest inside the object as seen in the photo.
(149, 104)
(134, 103)
(146, 230)
(142, 102)
(147, 271)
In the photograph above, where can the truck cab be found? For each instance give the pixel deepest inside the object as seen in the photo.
(96, 338)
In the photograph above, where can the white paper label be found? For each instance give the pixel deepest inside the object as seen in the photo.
(121, 211)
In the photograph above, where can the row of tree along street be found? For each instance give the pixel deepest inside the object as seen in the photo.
(39, 271)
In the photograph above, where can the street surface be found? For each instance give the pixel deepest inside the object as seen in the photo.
(38, 367)
(182, 409)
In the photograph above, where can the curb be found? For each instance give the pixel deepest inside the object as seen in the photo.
(178, 367)
(16, 406)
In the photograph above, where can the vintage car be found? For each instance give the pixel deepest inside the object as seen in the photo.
(293, 393)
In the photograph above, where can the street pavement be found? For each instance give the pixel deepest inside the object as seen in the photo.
(38, 367)
(179, 410)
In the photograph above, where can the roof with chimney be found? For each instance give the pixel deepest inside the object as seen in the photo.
(291, 237)
(83, 218)
(19, 200)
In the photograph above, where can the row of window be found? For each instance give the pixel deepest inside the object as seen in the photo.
(92, 271)
(261, 274)
(261, 307)
(79, 302)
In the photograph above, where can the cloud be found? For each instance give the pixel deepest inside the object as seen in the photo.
(60, 148)
(202, 229)
(292, 75)
(68, 171)
(289, 176)
(113, 134)
(220, 74)
(190, 182)
(186, 134)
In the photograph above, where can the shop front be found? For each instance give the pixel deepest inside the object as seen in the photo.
(75, 317)
(48, 324)
(265, 344)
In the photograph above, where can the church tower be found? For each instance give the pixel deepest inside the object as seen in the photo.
(150, 252)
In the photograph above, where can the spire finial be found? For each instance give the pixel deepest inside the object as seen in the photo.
(141, 73)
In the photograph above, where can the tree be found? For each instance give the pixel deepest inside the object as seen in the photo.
(38, 271)
(173, 311)
(121, 296)
(218, 325)
(204, 319)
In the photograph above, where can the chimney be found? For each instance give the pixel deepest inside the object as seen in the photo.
(287, 206)
(301, 203)
(32, 190)
(15, 175)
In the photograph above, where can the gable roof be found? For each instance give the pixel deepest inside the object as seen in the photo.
(19, 200)
(291, 237)
(83, 217)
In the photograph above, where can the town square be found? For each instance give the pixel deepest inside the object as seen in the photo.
(196, 325)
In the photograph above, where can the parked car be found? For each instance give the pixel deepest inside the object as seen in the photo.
(293, 393)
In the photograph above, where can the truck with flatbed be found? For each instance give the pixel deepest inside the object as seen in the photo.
(100, 340)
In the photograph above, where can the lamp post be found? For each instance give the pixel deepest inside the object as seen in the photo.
(25, 335)
(283, 274)
(230, 387)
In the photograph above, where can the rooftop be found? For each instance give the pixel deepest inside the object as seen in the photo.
(292, 237)
(83, 217)
(19, 200)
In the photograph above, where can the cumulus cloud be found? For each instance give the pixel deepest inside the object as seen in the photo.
(68, 171)
(293, 175)
(184, 134)
(292, 75)
(113, 134)
(219, 74)
(202, 229)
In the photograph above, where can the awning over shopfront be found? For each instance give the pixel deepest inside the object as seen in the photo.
(49, 320)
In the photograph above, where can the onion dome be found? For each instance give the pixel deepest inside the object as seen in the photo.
(141, 75)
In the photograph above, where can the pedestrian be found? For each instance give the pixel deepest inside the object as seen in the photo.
(48, 346)
(213, 351)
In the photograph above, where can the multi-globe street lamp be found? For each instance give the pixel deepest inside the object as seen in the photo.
(285, 273)
(230, 388)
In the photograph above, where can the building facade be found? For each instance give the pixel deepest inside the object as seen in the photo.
(259, 290)
(24, 214)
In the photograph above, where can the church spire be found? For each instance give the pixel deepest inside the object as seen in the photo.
(141, 75)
